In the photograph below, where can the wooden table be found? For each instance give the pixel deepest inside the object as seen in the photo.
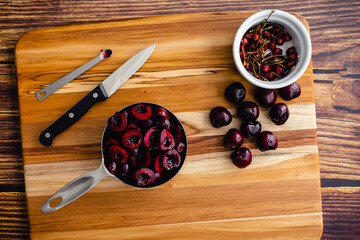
(335, 37)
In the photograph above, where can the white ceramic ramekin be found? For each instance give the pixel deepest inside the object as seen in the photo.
(300, 38)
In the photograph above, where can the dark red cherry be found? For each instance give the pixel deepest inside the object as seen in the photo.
(133, 151)
(142, 159)
(235, 92)
(293, 56)
(266, 141)
(179, 147)
(290, 51)
(280, 41)
(220, 116)
(233, 139)
(290, 92)
(110, 142)
(287, 37)
(111, 167)
(279, 113)
(124, 170)
(171, 159)
(118, 121)
(144, 176)
(163, 122)
(248, 111)
(158, 166)
(265, 68)
(132, 126)
(266, 34)
(279, 70)
(270, 76)
(256, 36)
(241, 157)
(290, 63)
(277, 51)
(161, 112)
(166, 140)
(271, 45)
(150, 137)
(177, 132)
(106, 54)
(141, 111)
(250, 129)
(146, 124)
(131, 138)
(118, 154)
(245, 41)
(265, 97)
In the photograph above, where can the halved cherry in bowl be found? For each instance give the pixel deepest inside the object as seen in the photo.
(150, 148)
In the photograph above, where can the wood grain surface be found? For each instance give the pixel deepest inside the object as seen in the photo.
(187, 73)
(335, 39)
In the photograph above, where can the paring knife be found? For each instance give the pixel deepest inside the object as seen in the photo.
(100, 93)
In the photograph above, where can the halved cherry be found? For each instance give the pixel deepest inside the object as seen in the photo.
(118, 121)
(177, 132)
(131, 138)
(133, 151)
(158, 164)
(111, 167)
(124, 170)
(145, 125)
(132, 126)
(166, 140)
(150, 137)
(141, 111)
(163, 122)
(118, 154)
(161, 112)
(171, 159)
(144, 176)
(109, 142)
(142, 159)
(179, 147)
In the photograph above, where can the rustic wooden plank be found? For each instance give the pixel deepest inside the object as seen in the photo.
(341, 210)
(334, 132)
(346, 94)
(13, 216)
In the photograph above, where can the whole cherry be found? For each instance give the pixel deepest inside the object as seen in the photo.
(241, 157)
(220, 116)
(233, 139)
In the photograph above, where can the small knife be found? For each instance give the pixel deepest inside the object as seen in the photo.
(103, 91)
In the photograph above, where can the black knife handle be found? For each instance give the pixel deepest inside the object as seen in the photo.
(70, 117)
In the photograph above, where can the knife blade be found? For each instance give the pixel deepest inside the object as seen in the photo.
(102, 92)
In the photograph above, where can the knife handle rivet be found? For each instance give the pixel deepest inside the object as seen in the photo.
(47, 135)
(95, 95)
(71, 115)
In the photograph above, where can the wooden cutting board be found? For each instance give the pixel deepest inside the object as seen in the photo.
(277, 196)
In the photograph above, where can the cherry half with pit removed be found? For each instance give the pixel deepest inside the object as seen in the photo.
(144, 145)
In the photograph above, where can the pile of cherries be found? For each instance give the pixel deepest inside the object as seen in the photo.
(261, 54)
(248, 111)
(144, 145)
